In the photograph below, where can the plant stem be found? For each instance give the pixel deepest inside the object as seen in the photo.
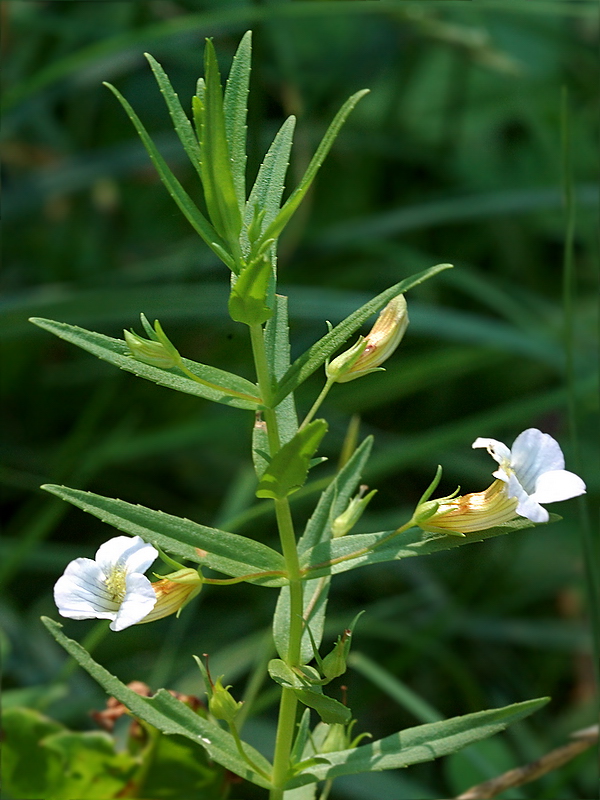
(286, 725)
(315, 406)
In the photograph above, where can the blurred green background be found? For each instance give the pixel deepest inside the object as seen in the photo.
(455, 156)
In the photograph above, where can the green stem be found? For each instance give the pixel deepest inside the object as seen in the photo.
(286, 725)
(244, 755)
(315, 406)
(357, 553)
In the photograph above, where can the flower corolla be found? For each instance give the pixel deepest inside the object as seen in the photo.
(533, 472)
(111, 586)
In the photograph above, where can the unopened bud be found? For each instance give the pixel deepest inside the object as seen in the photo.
(344, 523)
(335, 739)
(339, 737)
(157, 351)
(221, 703)
(375, 348)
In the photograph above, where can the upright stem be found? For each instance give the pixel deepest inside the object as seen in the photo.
(286, 725)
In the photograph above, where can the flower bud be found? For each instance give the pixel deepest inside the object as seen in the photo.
(335, 739)
(344, 523)
(221, 703)
(467, 513)
(339, 737)
(173, 592)
(373, 349)
(157, 351)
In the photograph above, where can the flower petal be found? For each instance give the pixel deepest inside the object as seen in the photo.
(556, 485)
(81, 593)
(527, 507)
(498, 450)
(139, 601)
(534, 453)
(132, 553)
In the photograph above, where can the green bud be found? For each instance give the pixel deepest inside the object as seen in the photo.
(344, 523)
(339, 737)
(157, 351)
(221, 703)
(335, 739)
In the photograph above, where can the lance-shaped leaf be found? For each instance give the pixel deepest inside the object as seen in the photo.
(226, 552)
(283, 217)
(267, 191)
(218, 385)
(319, 352)
(181, 123)
(351, 552)
(170, 715)
(189, 209)
(235, 110)
(288, 468)
(217, 177)
(418, 744)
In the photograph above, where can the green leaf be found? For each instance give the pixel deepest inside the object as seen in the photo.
(28, 769)
(330, 710)
(268, 187)
(188, 208)
(288, 468)
(116, 352)
(217, 176)
(418, 744)
(319, 352)
(235, 109)
(41, 758)
(294, 200)
(277, 349)
(226, 552)
(168, 714)
(351, 552)
(181, 123)
(248, 301)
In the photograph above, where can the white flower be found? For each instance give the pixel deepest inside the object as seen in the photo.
(111, 587)
(534, 472)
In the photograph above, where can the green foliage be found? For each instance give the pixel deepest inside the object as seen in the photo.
(41, 758)
(167, 714)
(422, 743)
